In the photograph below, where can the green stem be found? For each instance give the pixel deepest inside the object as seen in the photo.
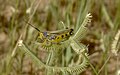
(104, 64)
(90, 64)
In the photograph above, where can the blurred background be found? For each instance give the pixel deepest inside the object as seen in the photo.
(102, 39)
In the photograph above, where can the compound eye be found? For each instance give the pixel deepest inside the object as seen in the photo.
(71, 31)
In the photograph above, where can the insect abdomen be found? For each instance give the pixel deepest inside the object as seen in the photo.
(62, 37)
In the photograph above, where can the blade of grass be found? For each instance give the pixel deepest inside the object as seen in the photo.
(9, 59)
(117, 17)
(107, 17)
(104, 64)
(30, 53)
(83, 10)
(81, 32)
(14, 50)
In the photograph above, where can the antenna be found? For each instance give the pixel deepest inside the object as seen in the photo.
(32, 25)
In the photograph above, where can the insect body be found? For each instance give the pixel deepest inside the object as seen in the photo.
(60, 37)
(53, 37)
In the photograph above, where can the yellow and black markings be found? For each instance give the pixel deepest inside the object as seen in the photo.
(53, 37)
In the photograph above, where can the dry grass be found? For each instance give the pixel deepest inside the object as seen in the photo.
(46, 15)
